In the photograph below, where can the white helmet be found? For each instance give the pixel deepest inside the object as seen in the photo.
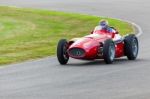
(103, 23)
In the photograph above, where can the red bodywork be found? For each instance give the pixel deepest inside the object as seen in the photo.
(91, 46)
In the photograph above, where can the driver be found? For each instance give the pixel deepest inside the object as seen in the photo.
(104, 25)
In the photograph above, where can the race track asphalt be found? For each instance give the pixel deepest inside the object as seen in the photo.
(46, 79)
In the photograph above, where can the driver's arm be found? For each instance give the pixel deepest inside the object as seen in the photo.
(114, 30)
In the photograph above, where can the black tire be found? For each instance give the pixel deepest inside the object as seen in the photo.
(131, 47)
(109, 51)
(62, 52)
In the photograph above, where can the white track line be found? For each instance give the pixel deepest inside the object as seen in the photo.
(139, 29)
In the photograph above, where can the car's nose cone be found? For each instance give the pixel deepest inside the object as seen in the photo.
(76, 52)
(83, 49)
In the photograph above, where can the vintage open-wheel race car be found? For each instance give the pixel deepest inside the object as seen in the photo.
(98, 45)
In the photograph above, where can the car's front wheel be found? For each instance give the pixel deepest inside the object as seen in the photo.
(62, 54)
(109, 51)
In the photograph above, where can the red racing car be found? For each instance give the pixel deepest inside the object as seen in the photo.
(98, 45)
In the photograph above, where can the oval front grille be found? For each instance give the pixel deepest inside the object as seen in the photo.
(76, 52)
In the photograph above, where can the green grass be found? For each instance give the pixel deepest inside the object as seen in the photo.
(29, 34)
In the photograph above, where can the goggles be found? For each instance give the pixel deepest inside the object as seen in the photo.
(103, 24)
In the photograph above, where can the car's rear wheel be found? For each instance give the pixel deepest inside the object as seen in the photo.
(131, 47)
(62, 54)
(109, 51)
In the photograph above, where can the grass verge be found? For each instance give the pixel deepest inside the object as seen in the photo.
(29, 34)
